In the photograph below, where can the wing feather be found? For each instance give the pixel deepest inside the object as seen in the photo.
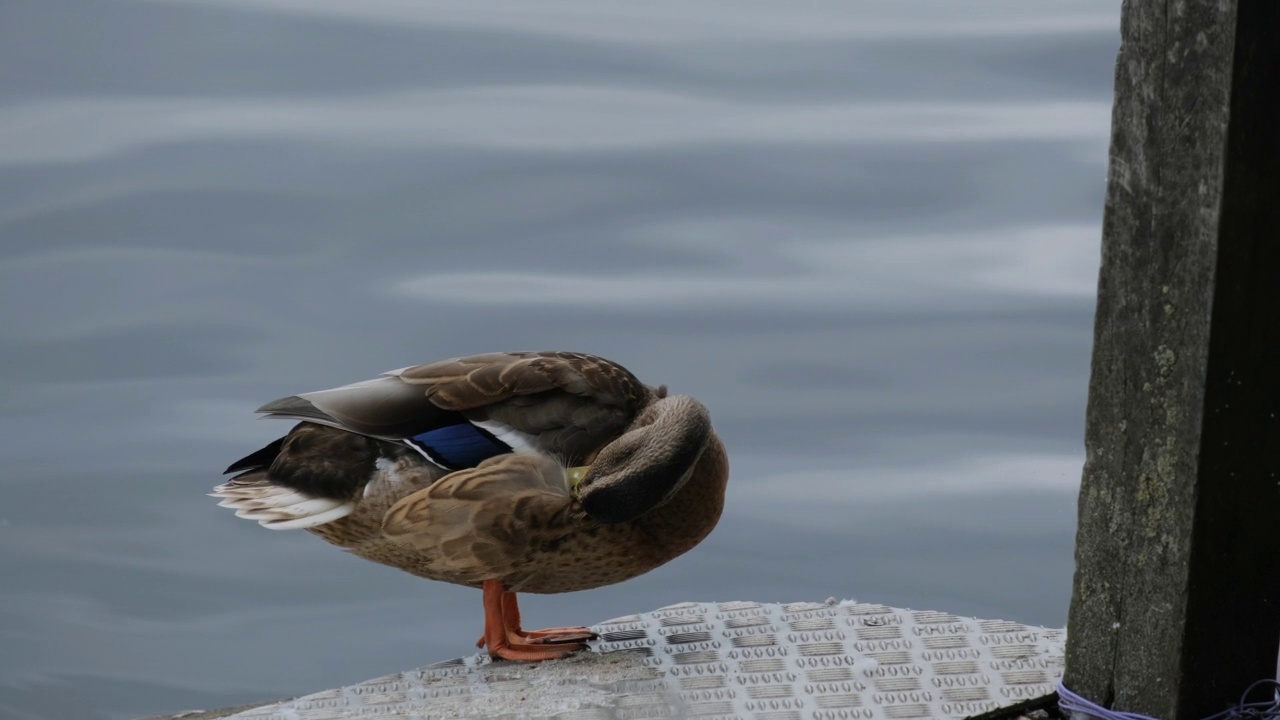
(567, 404)
(563, 404)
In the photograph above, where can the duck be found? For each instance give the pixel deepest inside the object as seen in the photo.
(514, 472)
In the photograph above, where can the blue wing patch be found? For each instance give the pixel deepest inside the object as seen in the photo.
(459, 446)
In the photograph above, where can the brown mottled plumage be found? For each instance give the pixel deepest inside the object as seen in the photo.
(456, 471)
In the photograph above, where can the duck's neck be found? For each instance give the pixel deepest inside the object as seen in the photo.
(692, 512)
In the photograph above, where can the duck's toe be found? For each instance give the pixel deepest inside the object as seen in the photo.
(534, 653)
(559, 635)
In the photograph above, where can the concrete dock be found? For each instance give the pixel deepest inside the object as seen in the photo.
(725, 661)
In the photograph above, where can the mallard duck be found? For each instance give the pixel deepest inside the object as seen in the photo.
(536, 472)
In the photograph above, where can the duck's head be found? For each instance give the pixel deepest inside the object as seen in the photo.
(645, 466)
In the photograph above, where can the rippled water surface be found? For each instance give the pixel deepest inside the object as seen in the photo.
(864, 232)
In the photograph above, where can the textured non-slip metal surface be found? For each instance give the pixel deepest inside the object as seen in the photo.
(825, 661)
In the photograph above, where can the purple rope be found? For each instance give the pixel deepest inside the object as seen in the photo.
(1069, 703)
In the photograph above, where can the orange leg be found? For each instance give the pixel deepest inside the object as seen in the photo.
(507, 641)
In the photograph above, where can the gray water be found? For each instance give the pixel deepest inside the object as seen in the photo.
(864, 233)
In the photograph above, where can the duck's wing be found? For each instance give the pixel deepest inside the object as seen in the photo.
(462, 411)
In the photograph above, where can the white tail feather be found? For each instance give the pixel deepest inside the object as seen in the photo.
(280, 508)
(249, 502)
(306, 508)
(341, 511)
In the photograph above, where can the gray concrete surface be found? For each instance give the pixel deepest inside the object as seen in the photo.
(723, 661)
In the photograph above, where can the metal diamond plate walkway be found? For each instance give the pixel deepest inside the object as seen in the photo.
(820, 661)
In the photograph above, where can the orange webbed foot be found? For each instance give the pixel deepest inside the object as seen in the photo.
(547, 636)
(505, 639)
(533, 653)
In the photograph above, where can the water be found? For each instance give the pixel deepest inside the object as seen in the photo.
(865, 234)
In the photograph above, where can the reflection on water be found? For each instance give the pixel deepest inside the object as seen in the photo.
(865, 235)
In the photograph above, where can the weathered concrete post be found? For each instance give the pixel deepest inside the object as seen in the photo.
(1176, 607)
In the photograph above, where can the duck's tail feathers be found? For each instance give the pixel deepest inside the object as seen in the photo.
(276, 507)
(260, 460)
